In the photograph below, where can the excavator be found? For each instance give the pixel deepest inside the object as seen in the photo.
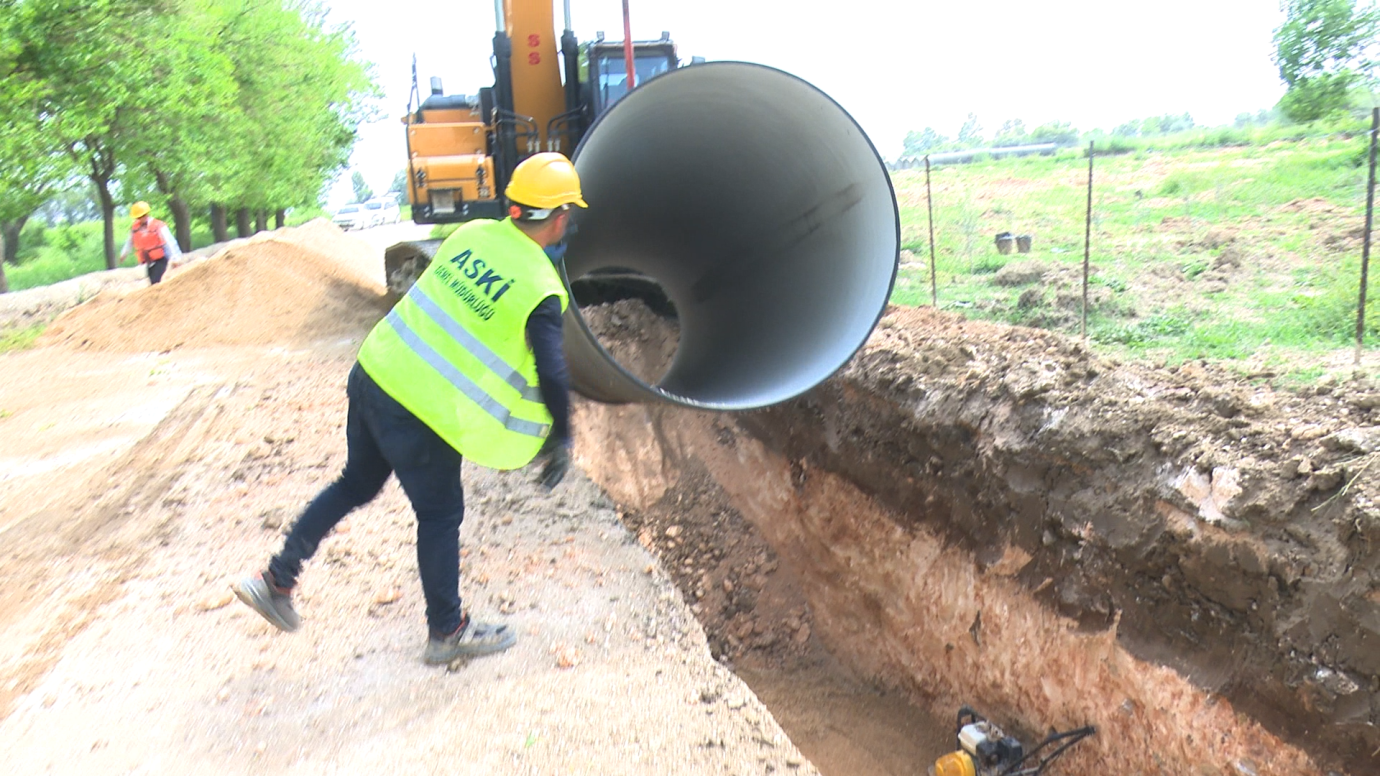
(461, 149)
(735, 198)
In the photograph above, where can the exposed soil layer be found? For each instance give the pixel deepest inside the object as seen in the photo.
(136, 486)
(985, 514)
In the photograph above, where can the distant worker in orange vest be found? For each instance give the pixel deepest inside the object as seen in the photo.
(151, 241)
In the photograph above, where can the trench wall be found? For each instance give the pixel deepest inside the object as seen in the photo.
(991, 516)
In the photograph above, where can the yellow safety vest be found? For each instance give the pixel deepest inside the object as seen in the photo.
(454, 350)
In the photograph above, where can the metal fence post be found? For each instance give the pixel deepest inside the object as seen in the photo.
(1087, 238)
(1365, 245)
(929, 203)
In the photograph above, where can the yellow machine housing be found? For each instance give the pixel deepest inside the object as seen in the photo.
(462, 149)
(955, 764)
(537, 91)
(449, 163)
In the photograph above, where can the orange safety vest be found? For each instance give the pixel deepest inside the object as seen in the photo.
(148, 240)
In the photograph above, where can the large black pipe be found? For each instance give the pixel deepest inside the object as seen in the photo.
(766, 216)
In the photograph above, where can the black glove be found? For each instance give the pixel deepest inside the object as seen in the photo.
(557, 464)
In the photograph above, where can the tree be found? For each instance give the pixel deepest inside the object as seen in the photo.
(362, 191)
(174, 147)
(399, 187)
(247, 106)
(970, 134)
(31, 160)
(1129, 129)
(1011, 133)
(1059, 132)
(91, 59)
(922, 142)
(72, 203)
(303, 95)
(1323, 49)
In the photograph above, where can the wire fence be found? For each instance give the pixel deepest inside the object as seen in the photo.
(1190, 252)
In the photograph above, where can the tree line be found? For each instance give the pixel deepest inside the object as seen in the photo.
(1326, 53)
(234, 109)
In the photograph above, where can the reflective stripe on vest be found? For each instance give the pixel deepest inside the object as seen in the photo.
(454, 350)
(467, 341)
(460, 381)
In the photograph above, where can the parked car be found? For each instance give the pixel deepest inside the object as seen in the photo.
(382, 211)
(352, 217)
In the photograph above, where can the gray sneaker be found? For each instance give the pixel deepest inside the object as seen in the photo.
(269, 600)
(472, 639)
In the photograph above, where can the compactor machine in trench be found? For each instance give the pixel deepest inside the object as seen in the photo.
(736, 198)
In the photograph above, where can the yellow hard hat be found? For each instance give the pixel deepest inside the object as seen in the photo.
(139, 210)
(546, 180)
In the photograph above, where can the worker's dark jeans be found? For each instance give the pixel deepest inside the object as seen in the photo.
(156, 270)
(384, 438)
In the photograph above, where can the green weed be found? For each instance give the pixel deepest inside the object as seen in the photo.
(20, 339)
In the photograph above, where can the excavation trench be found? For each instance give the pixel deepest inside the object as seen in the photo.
(973, 514)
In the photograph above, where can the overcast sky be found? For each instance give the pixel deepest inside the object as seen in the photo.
(896, 65)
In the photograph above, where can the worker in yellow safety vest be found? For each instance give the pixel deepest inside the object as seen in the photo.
(467, 365)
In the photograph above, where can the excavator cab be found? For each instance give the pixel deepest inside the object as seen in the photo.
(608, 69)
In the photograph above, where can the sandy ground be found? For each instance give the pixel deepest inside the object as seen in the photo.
(135, 485)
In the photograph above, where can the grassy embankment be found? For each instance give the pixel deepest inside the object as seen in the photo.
(1240, 245)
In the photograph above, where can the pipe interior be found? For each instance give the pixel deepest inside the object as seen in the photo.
(762, 211)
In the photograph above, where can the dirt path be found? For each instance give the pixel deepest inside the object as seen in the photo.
(137, 485)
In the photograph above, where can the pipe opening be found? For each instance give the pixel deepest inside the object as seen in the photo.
(620, 307)
(766, 218)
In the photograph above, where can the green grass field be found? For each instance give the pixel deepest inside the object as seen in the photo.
(1234, 253)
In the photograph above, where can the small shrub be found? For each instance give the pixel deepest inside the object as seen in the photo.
(1114, 145)
(987, 265)
(1194, 268)
(1116, 284)
(32, 237)
(20, 339)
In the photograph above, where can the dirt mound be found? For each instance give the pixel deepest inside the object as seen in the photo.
(641, 341)
(298, 286)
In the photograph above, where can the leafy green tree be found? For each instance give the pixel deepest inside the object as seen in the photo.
(362, 191)
(91, 58)
(923, 142)
(31, 160)
(970, 134)
(303, 94)
(1011, 133)
(71, 203)
(1324, 49)
(1060, 132)
(1129, 129)
(250, 106)
(399, 187)
(174, 146)
(1167, 124)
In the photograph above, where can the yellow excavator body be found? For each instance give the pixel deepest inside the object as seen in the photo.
(461, 149)
(536, 74)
